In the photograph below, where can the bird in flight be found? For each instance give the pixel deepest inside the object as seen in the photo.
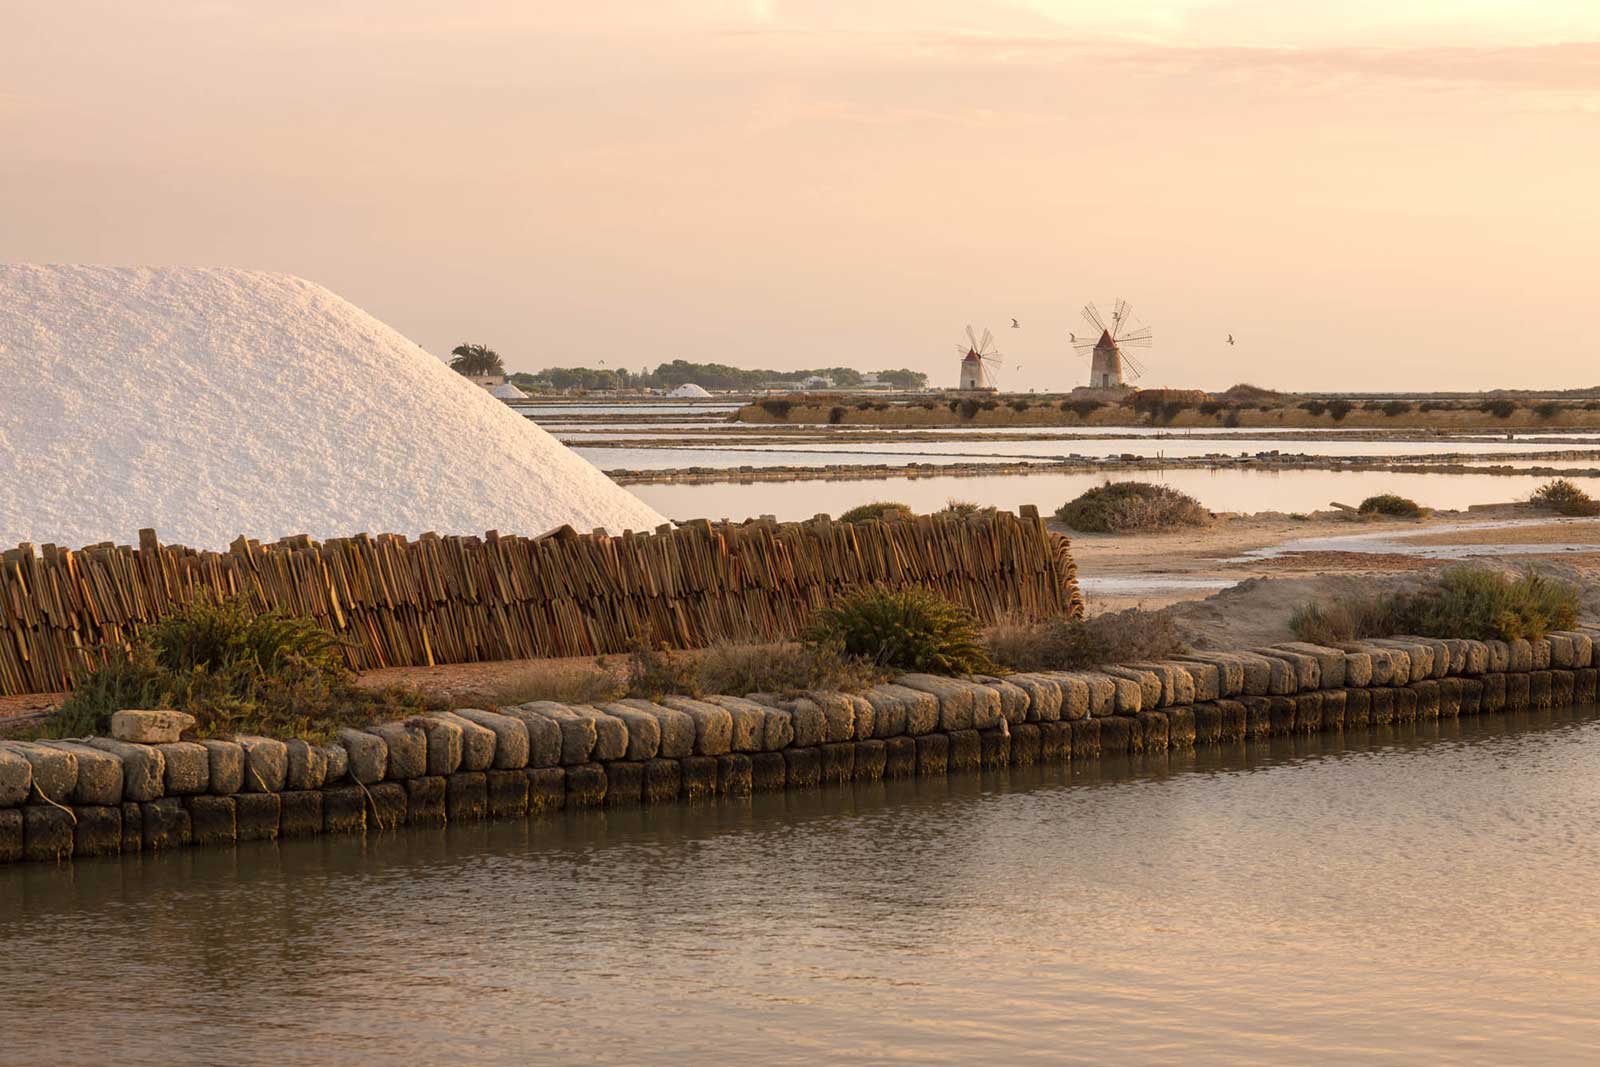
(1015, 325)
(1230, 338)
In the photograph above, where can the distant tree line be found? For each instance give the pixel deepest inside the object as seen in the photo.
(707, 375)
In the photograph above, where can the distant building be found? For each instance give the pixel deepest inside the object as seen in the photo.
(816, 381)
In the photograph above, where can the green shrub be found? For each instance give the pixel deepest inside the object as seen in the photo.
(1564, 498)
(1501, 408)
(1082, 408)
(1396, 407)
(1468, 601)
(783, 669)
(778, 409)
(1019, 405)
(1315, 407)
(235, 671)
(909, 630)
(882, 510)
(1067, 644)
(1123, 507)
(1547, 410)
(1339, 409)
(962, 509)
(1390, 504)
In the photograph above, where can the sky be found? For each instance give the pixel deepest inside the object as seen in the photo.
(1368, 195)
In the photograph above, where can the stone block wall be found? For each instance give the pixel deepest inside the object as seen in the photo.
(101, 797)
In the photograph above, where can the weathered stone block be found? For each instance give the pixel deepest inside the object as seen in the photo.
(734, 774)
(224, 766)
(132, 826)
(306, 766)
(1357, 708)
(1561, 651)
(586, 785)
(344, 809)
(368, 754)
(962, 704)
(444, 739)
(1499, 656)
(578, 734)
(1100, 691)
(477, 741)
(425, 800)
(674, 729)
(16, 778)
(1149, 684)
(507, 793)
(299, 813)
(1086, 738)
(406, 746)
(188, 768)
(1540, 650)
(1025, 744)
(99, 775)
(338, 761)
(547, 789)
(933, 756)
(1308, 713)
(1407, 702)
(1382, 706)
(1207, 723)
(1521, 656)
(1280, 715)
(663, 780)
(466, 796)
(1471, 695)
(46, 833)
(1180, 727)
(1177, 684)
(11, 849)
(1427, 698)
(1258, 717)
(259, 816)
(1539, 689)
(1517, 686)
(1450, 695)
(713, 725)
(965, 751)
(888, 710)
(996, 749)
(1583, 651)
(1230, 671)
(1207, 679)
(1044, 696)
(510, 737)
(1014, 699)
(749, 722)
(211, 819)
(699, 777)
(1562, 686)
(98, 831)
(871, 758)
(838, 762)
(143, 770)
(165, 824)
(1235, 720)
(624, 783)
(150, 727)
(1334, 703)
(777, 730)
(386, 806)
(644, 730)
(1584, 685)
(900, 757)
(839, 711)
(266, 764)
(1116, 734)
(769, 773)
(1055, 742)
(54, 770)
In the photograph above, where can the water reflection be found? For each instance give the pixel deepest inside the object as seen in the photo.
(1411, 894)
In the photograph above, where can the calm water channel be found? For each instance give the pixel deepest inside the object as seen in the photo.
(1416, 896)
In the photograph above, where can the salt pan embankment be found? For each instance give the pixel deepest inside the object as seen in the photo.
(209, 403)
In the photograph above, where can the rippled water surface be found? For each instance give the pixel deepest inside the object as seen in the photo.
(1423, 895)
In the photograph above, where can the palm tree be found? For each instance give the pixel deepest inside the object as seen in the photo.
(476, 360)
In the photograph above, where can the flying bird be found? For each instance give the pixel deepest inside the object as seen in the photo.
(1015, 325)
(1230, 338)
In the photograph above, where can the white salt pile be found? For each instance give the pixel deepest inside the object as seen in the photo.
(213, 403)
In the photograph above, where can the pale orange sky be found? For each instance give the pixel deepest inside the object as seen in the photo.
(1397, 194)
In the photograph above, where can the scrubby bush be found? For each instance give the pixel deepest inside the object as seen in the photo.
(882, 510)
(778, 409)
(909, 630)
(1396, 407)
(1564, 498)
(1244, 392)
(1547, 410)
(1128, 507)
(1390, 504)
(962, 509)
(1468, 601)
(1210, 407)
(1019, 405)
(1500, 408)
(783, 669)
(235, 671)
(835, 414)
(1338, 409)
(1315, 407)
(658, 672)
(1082, 408)
(1065, 644)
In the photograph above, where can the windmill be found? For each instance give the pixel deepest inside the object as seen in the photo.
(977, 356)
(1107, 352)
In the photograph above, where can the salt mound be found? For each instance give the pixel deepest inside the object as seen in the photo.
(213, 403)
(507, 391)
(689, 390)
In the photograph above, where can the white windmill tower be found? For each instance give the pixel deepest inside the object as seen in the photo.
(978, 356)
(1108, 361)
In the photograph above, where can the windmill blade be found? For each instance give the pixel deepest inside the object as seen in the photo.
(965, 350)
(1140, 338)
(988, 339)
(995, 359)
(1133, 364)
(972, 337)
(1092, 314)
(1121, 318)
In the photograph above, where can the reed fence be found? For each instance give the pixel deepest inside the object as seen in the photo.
(400, 602)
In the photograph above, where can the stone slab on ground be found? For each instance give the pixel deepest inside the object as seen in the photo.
(749, 722)
(1044, 696)
(1014, 699)
(543, 734)
(674, 730)
(154, 727)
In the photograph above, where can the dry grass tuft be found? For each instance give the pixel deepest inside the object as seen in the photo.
(1067, 644)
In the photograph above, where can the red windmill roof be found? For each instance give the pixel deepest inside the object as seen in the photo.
(1105, 340)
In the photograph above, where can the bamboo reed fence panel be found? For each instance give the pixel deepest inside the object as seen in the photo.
(399, 602)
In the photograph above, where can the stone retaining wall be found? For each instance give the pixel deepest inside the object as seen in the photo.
(98, 796)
